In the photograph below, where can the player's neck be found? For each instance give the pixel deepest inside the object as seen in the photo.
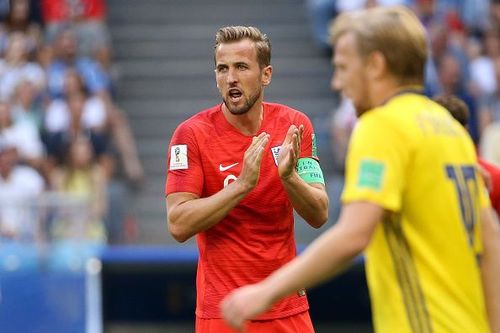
(385, 90)
(248, 123)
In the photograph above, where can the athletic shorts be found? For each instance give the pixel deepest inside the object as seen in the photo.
(299, 323)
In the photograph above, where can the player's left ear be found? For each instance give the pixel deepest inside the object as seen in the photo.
(377, 65)
(267, 74)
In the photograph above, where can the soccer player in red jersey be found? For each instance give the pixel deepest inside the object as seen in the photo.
(236, 172)
(459, 110)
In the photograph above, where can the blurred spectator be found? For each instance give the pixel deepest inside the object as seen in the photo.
(426, 11)
(482, 68)
(45, 56)
(92, 113)
(4, 9)
(87, 18)
(495, 13)
(124, 141)
(19, 185)
(78, 114)
(492, 43)
(322, 12)
(342, 123)
(24, 136)
(19, 20)
(444, 40)
(349, 5)
(475, 14)
(26, 107)
(15, 67)
(451, 77)
(66, 56)
(96, 82)
(490, 99)
(82, 178)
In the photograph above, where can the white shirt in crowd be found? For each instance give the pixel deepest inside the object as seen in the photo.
(17, 192)
(58, 116)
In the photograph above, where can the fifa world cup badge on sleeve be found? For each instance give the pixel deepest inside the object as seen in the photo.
(371, 174)
(178, 157)
(314, 151)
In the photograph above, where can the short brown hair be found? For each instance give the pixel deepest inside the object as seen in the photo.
(236, 33)
(457, 107)
(393, 31)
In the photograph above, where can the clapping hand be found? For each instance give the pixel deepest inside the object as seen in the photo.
(252, 160)
(290, 151)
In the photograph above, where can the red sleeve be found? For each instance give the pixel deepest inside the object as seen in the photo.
(494, 172)
(495, 191)
(185, 175)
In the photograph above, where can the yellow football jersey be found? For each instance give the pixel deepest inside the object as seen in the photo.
(412, 158)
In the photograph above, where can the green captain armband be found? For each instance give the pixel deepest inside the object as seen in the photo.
(309, 170)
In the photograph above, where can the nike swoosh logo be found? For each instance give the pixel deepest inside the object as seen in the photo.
(225, 168)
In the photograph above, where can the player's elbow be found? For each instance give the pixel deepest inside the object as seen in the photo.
(358, 245)
(358, 242)
(319, 220)
(178, 233)
(320, 216)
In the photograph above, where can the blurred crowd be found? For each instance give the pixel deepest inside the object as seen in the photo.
(61, 133)
(464, 48)
(63, 136)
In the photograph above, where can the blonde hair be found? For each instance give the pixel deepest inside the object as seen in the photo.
(395, 32)
(231, 34)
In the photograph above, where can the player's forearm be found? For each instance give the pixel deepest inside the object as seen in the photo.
(490, 268)
(310, 202)
(197, 215)
(325, 257)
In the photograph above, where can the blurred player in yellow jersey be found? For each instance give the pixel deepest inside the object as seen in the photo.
(412, 201)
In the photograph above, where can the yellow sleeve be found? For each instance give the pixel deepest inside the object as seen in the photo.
(376, 162)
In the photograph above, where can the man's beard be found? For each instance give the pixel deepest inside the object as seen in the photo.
(245, 107)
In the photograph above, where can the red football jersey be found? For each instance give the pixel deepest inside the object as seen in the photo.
(257, 236)
(494, 172)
